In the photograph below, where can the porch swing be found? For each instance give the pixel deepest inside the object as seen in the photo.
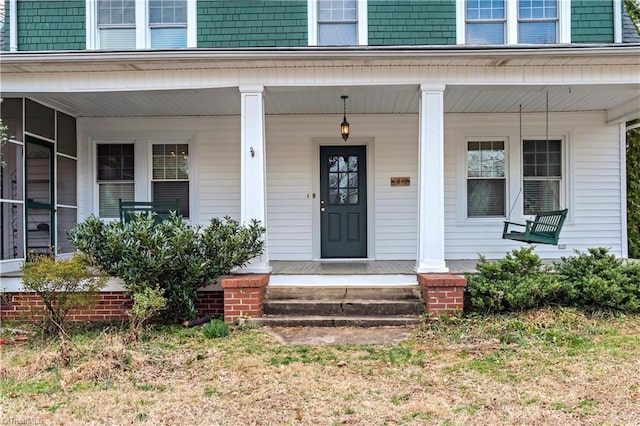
(546, 226)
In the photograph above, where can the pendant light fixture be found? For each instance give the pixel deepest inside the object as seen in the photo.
(344, 126)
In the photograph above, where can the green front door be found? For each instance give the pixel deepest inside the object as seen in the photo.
(343, 201)
(40, 199)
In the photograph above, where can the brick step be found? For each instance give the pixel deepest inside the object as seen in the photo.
(394, 292)
(335, 321)
(343, 307)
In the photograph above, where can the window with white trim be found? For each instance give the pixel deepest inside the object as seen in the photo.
(141, 24)
(170, 174)
(542, 175)
(485, 21)
(488, 22)
(168, 23)
(537, 21)
(486, 179)
(115, 177)
(337, 22)
(117, 24)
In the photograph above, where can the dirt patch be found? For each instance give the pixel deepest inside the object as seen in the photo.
(315, 336)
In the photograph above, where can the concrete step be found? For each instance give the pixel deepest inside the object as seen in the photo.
(394, 292)
(335, 321)
(343, 307)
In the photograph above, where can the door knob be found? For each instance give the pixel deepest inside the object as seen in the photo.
(321, 201)
(322, 209)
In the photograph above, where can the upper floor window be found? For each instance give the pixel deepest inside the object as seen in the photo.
(117, 24)
(484, 22)
(337, 22)
(168, 23)
(537, 21)
(141, 24)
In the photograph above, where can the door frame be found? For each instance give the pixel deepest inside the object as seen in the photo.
(45, 143)
(316, 143)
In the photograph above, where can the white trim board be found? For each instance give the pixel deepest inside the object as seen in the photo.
(342, 280)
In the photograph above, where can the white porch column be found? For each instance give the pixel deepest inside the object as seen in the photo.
(253, 182)
(430, 256)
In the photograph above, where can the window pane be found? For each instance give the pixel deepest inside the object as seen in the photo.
(537, 9)
(38, 173)
(337, 10)
(168, 11)
(66, 220)
(485, 159)
(109, 195)
(541, 196)
(337, 34)
(171, 191)
(11, 175)
(66, 139)
(116, 12)
(67, 181)
(39, 120)
(11, 112)
(11, 231)
(115, 162)
(542, 158)
(170, 161)
(537, 32)
(485, 9)
(168, 38)
(485, 33)
(485, 198)
(39, 231)
(117, 38)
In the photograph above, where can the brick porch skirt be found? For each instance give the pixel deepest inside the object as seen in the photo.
(111, 306)
(442, 293)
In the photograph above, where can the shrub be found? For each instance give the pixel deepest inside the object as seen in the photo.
(172, 255)
(600, 281)
(146, 304)
(62, 285)
(215, 329)
(515, 283)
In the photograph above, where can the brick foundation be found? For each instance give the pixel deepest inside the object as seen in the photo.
(111, 306)
(442, 293)
(243, 296)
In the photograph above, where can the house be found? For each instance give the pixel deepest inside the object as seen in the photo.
(462, 113)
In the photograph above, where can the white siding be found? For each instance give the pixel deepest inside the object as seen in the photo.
(592, 177)
(591, 174)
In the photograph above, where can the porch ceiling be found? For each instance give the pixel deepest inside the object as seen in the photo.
(374, 99)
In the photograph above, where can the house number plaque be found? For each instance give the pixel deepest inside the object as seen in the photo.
(400, 181)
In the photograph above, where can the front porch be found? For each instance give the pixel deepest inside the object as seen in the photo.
(362, 267)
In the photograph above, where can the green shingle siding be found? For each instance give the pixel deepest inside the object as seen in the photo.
(51, 25)
(411, 22)
(243, 23)
(5, 28)
(592, 21)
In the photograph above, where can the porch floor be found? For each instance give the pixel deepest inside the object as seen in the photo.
(361, 267)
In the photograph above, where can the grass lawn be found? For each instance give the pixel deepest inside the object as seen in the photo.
(552, 367)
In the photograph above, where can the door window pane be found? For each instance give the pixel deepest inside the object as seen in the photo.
(38, 174)
(343, 179)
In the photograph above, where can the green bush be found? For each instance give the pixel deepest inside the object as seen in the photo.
(172, 256)
(215, 329)
(600, 281)
(517, 282)
(146, 304)
(633, 192)
(63, 285)
(592, 281)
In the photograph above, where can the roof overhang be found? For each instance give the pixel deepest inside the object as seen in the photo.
(308, 80)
